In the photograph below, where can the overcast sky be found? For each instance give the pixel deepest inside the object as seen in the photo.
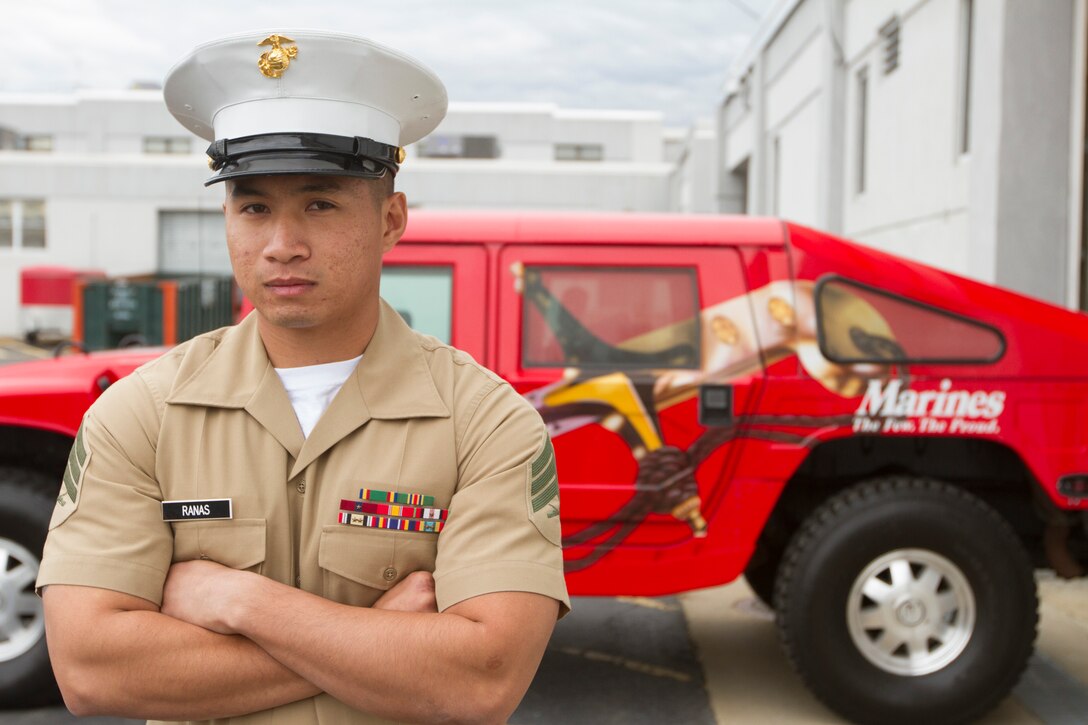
(671, 56)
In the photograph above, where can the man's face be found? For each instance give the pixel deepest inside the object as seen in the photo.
(307, 250)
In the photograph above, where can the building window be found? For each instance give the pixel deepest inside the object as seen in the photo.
(863, 122)
(776, 176)
(579, 152)
(12, 141)
(967, 22)
(33, 225)
(22, 224)
(889, 34)
(7, 224)
(167, 145)
(610, 317)
(38, 142)
(459, 147)
(740, 182)
(481, 147)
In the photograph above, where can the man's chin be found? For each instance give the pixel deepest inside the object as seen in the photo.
(290, 320)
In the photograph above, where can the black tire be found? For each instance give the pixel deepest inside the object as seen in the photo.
(934, 554)
(762, 569)
(62, 348)
(132, 339)
(26, 678)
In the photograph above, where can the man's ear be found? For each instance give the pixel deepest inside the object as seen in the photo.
(394, 219)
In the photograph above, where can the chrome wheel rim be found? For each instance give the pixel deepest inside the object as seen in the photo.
(22, 621)
(911, 612)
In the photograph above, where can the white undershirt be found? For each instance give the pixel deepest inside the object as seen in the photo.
(311, 388)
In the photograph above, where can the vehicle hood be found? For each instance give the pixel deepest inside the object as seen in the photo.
(72, 372)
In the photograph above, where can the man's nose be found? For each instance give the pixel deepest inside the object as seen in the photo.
(287, 240)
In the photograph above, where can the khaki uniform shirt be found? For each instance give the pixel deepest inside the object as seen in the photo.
(211, 420)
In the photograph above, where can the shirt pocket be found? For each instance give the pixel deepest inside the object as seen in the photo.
(237, 543)
(359, 564)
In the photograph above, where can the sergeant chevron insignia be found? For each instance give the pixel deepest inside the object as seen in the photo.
(68, 499)
(542, 492)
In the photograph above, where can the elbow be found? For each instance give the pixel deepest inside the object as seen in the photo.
(83, 688)
(487, 709)
(81, 698)
(84, 650)
(80, 707)
(496, 692)
(497, 710)
(481, 710)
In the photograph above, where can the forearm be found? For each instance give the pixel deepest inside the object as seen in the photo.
(405, 666)
(140, 663)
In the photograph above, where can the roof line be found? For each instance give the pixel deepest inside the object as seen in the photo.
(768, 28)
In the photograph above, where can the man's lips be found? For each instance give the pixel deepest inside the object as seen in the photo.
(288, 286)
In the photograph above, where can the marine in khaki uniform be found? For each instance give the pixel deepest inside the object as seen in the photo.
(248, 526)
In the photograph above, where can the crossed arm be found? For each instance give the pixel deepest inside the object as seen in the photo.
(229, 642)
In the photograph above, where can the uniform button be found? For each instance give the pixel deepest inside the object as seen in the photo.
(298, 581)
(390, 574)
(301, 485)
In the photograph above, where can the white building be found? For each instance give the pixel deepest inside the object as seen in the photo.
(110, 181)
(950, 131)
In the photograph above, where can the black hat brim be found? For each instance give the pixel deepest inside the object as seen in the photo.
(301, 153)
(298, 164)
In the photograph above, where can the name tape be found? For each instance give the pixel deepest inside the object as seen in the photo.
(197, 509)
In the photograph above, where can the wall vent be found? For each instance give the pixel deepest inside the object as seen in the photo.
(889, 34)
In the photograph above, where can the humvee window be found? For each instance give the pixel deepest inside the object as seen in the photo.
(857, 323)
(614, 317)
(422, 295)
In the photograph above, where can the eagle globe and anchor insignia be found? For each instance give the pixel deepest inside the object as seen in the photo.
(275, 61)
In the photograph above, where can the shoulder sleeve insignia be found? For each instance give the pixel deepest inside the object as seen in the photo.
(74, 469)
(542, 492)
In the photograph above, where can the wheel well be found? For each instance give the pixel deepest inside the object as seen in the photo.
(989, 470)
(38, 450)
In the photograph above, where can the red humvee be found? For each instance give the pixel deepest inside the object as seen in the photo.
(886, 451)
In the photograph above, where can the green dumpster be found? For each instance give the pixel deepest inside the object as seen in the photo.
(151, 310)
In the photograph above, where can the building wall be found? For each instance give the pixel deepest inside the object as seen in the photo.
(693, 178)
(579, 185)
(986, 133)
(773, 150)
(916, 180)
(1034, 151)
(102, 212)
(626, 136)
(525, 131)
(1006, 209)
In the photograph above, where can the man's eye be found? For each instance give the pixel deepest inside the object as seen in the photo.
(322, 205)
(254, 209)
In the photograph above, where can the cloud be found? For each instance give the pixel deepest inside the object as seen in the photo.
(665, 55)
